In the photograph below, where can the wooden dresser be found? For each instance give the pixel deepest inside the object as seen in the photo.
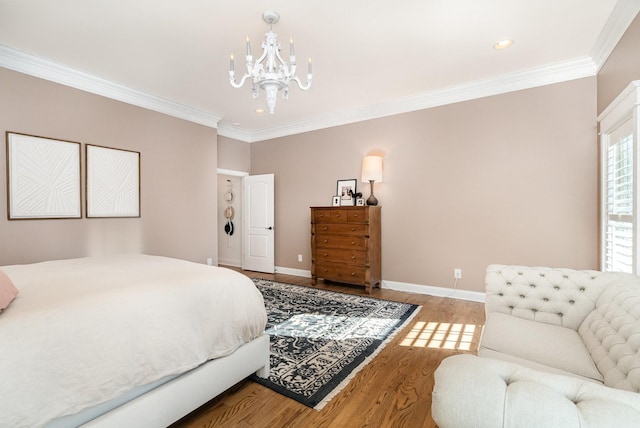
(345, 245)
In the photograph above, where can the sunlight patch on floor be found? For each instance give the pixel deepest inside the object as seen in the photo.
(441, 335)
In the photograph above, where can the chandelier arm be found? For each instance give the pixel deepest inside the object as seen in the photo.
(304, 87)
(263, 56)
(232, 79)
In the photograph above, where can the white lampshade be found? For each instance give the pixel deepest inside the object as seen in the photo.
(372, 168)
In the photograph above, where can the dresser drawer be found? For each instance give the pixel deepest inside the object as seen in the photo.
(341, 273)
(341, 241)
(358, 216)
(330, 216)
(342, 229)
(333, 255)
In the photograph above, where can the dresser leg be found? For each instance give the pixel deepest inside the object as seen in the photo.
(314, 280)
(367, 288)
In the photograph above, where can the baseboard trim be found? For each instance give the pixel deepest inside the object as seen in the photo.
(295, 272)
(473, 296)
(230, 262)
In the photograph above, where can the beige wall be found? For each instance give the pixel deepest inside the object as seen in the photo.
(622, 66)
(233, 154)
(178, 175)
(504, 179)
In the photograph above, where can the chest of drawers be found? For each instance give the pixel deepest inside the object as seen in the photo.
(345, 245)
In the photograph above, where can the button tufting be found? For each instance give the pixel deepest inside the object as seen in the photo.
(542, 275)
(546, 299)
(510, 307)
(572, 301)
(560, 314)
(565, 276)
(555, 287)
(519, 273)
(532, 285)
(582, 289)
(522, 296)
(508, 283)
(500, 294)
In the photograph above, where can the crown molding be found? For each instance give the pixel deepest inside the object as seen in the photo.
(624, 12)
(531, 78)
(38, 67)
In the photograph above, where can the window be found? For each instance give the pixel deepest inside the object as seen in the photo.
(619, 191)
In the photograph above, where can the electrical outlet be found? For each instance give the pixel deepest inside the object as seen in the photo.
(457, 273)
(299, 257)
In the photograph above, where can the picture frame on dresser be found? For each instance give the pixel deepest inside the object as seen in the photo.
(360, 202)
(346, 189)
(335, 202)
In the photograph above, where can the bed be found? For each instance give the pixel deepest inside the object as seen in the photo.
(126, 340)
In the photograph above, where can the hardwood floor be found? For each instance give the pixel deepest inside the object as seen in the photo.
(394, 390)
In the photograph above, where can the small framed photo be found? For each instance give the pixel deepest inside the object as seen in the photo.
(360, 202)
(346, 190)
(336, 201)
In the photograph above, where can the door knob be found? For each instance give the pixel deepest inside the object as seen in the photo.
(269, 228)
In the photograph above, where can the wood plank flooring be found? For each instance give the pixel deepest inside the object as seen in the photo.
(394, 390)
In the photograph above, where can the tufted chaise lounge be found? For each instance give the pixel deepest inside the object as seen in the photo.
(560, 348)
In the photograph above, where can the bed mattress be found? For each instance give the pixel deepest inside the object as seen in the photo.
(84, 331)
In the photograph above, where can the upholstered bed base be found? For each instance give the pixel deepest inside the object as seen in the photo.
(178, 397)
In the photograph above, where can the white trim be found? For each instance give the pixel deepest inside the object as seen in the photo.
(621, 17)
(534, 77)
(230, 262)
(473, 296)
(295, 272)
(621, 107)
(232, 172)
(39, 67)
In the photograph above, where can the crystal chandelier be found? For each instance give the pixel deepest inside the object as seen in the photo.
(270, 72)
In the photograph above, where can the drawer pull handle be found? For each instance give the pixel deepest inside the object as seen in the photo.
(325, 255)
(321, 214)
(353, 274)
(337, 215)
(353, 242)
(325, 228)
(353, 229)
(353, 257)
(355, 215)
(326, 270)
(325, 241)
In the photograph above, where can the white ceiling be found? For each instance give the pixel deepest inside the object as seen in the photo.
(371, 57)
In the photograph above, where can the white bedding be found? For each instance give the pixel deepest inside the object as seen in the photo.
(84, 331)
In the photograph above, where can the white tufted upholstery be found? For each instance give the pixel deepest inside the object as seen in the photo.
(560, 348)
(612, 335)
(485, 393)
(554, 296)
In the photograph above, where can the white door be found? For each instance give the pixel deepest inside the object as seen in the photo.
(258, 234)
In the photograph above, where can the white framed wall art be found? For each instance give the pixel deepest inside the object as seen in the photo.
(43, 178)
(112, 182)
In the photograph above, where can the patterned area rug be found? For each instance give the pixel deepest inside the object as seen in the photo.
(320, 339)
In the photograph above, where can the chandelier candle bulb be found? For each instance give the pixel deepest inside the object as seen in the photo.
(292, 53)
(309, 68)
(248, 47)
(231, 63)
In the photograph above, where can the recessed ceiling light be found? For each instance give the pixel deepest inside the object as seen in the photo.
(259, 110)
(503, 44)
